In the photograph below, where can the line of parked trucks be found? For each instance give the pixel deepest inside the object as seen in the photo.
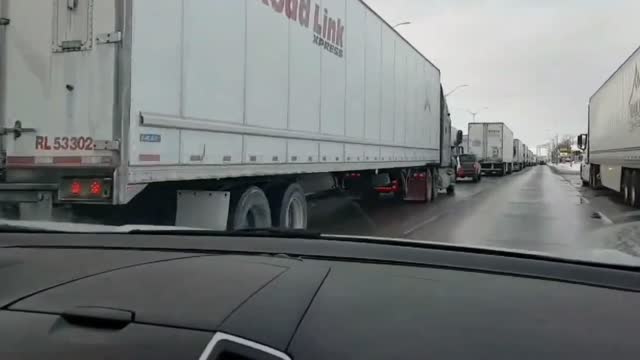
(140, 110)
(493, 147)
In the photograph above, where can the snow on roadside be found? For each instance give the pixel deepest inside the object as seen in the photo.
(567, 168)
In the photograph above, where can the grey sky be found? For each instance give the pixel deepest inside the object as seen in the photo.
(534, 63)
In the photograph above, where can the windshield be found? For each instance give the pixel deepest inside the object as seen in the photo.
(339, 117)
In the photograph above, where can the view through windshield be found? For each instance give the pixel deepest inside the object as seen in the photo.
(506, 124)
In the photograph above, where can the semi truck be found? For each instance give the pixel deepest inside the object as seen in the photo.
(492, 143)
(532, 158)
(612, 144)
(518, 155)
(214, 114)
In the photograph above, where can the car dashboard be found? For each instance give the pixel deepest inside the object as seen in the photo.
(179, 297)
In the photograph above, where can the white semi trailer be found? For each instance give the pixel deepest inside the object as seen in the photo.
(612, 143)
(518, 155)
(210, 113)
(492, 143)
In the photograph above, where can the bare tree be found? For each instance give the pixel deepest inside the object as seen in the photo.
(566, 142)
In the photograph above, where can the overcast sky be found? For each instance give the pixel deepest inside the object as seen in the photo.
(533, 63)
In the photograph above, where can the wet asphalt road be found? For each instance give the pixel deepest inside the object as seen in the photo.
(537, 209)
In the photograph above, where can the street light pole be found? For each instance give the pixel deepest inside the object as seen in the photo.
(401, 24)
(456, 89)
(475, 113)
(557, 149)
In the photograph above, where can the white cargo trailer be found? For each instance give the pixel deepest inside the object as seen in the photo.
(530, 158)
(133, 101)
(518, 155)
(613, 143)
(492, 143)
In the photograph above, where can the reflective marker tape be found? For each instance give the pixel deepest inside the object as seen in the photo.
(149, 157)
(58, 161)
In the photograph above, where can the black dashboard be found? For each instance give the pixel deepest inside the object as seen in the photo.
(123, 296)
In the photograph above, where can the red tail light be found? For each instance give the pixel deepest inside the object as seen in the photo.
(76, 188)
(96, 188)
(85, 189)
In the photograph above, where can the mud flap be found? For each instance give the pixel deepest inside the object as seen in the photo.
(419, 186)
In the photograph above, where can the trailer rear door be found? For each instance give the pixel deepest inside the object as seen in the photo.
(477, 140)
(57, 81)
(495, 149)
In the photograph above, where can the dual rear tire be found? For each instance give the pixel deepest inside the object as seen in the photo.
(283, 206)
(631, 187)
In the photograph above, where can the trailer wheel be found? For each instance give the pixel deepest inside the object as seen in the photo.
(435, 186)
(626, 186)
(635, 189)
(289, 207)
(428, 194)
(451, 190)
(249, 210)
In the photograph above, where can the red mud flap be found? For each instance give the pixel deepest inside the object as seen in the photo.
(420, 187)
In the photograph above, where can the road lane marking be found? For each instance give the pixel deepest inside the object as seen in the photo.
(421, 225)
(605, 218)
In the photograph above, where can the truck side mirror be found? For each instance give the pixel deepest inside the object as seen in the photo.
(582, 141)
(459, 137)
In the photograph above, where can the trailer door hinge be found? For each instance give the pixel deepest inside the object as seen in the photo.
(4, 21)
(109, 38)
(16, 130)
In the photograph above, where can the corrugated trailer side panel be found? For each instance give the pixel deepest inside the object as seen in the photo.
(246, 88)
(614, 117)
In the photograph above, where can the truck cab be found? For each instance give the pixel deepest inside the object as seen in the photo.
(585, 168)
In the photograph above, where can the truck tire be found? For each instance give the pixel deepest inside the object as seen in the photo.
(289, 207)
(249, 210)
(435, 182)
(635, 189)
(428, 194)
(626, 186)
(593, 174)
